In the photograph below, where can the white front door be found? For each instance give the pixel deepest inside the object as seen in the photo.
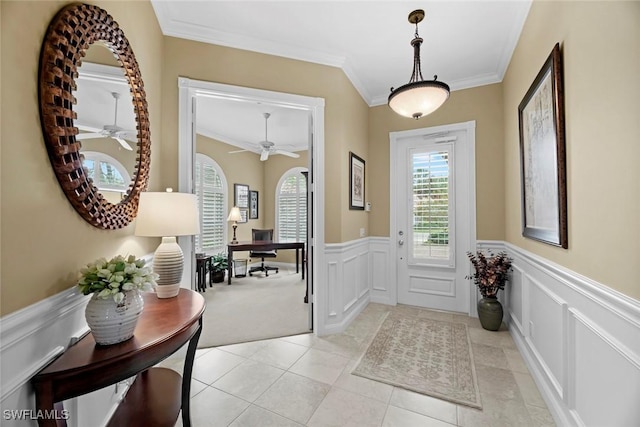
(433, 214)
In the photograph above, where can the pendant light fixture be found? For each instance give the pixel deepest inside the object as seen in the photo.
(419, 97)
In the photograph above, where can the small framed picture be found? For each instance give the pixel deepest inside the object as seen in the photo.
(243, 215)
(241, 195)
(356, 182)
(253, 204)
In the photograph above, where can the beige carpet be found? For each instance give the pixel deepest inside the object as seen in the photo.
(426, 356)
(255, 308)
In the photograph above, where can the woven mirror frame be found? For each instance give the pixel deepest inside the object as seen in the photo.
(70, 33)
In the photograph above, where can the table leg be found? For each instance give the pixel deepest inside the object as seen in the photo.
(229, 264)
(297, 259)
(304, 265)
(186, 376)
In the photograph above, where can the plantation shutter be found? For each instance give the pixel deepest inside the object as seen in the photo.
(292, 208)
(211, 195)
(431, 210)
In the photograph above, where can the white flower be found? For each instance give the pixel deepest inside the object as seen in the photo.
(118, 297)
(104, 293)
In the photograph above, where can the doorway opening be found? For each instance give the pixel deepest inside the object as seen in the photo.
(207, 114)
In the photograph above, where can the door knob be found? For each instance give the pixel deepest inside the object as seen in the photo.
(400, 242)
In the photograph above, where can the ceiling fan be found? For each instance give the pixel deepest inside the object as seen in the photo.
(267, 147)
(108, 131)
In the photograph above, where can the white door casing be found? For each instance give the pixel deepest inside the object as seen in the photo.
(433, 173)
(188, 91)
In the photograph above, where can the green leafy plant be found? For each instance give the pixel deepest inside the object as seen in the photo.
(491, 272)
(219, 262)
(112, 278)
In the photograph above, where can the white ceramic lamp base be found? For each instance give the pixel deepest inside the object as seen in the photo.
(168, 263)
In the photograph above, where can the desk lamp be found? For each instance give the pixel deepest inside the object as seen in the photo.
(234, 216)
(167, 215)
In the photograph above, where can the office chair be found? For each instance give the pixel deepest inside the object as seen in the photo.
(267, 236)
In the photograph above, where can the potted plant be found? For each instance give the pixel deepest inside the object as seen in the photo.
(219, 266)
(115, 304)
(490, 275)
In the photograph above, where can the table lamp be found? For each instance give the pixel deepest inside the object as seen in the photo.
(234, 216)
(167, 215)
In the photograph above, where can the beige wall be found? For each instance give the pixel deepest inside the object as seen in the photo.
(600, 42)
(246, 168)
(344, 108)
(482, 104)
(239, 168)
(44, 241)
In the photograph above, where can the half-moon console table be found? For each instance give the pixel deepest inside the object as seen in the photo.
(158, 394)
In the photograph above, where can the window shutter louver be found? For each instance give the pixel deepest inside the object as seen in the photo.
(292, 209)
(211, 195)
(430, 210)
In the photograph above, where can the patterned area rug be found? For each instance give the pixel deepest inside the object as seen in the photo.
(426, 356)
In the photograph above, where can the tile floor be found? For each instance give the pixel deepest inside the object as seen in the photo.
(305, 380)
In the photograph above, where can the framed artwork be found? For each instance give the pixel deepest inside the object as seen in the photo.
(356, 182)
(542, 156)
(253, 204)
(241, 195)
(243, 215)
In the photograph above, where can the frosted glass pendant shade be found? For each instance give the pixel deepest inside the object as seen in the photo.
(419, 98)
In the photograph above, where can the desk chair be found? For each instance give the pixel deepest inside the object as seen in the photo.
(264, 235)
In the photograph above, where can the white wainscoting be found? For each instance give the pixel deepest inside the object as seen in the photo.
(580, 339)
(34, 336)
(348, 285)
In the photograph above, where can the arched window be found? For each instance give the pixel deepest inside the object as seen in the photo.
(291, 206)
(211, 191)
(108, 175)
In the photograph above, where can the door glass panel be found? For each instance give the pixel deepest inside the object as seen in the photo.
(431, 212)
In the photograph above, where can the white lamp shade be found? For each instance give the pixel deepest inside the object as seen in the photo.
(167, 214)
(419, 99)
(234, 215)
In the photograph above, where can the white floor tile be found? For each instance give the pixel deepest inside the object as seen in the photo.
(214, 364)
(255, 416)
(294, 397)
(248, 380)
(280, 354)
(345, 409)
(320, 366)
(398, 417)
(215, 408)
(425, 405)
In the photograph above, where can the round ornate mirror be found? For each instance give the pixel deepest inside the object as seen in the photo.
(72, 31)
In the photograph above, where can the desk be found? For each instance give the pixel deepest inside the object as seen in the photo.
(262, 245)
(157, 395)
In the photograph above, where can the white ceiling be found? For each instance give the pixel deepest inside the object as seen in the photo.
(466, 43)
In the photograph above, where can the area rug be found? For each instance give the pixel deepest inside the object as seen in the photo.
(427, 356)
(255, 308)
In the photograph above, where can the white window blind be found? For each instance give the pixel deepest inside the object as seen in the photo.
(106, 172)
(431, 212)
(211, 192)
(292, 207)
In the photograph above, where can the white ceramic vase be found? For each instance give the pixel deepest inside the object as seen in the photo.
(112, 322)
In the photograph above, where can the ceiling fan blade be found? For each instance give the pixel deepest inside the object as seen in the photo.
(82, 136)
(87, 128)
(264, 155)
(124, 143)
(287, 153)
(237, 151)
